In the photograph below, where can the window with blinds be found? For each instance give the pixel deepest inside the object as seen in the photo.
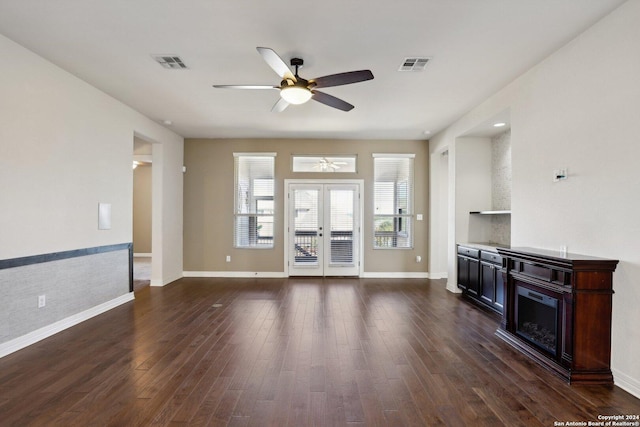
(254, 200)
(393, 201)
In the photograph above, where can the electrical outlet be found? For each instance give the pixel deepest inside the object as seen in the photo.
(418, 258)
(560, 174)
(228, 258)
(42, 301)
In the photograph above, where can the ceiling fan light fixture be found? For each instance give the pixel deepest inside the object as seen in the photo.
(295, 94)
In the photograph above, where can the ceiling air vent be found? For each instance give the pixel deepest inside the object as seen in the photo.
(171, 62)
(414, 64)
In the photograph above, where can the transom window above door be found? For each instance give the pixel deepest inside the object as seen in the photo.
(324, 163)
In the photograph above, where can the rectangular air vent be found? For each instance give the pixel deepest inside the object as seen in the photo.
(171, 62)
(414, 64)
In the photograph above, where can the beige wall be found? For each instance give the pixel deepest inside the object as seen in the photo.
(208, 202)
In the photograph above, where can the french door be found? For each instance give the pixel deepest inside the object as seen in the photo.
(323, 229)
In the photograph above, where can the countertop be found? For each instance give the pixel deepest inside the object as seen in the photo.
(485, 246)
(557, 255)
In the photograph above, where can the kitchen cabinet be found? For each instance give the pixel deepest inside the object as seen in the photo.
(480, 276)
(469, 270)
(491, 280)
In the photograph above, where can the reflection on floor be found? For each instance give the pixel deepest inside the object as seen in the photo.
(141, 272)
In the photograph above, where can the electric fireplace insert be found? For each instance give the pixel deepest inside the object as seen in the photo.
(537, 319)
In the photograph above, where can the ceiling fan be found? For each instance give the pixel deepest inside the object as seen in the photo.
(296, 90)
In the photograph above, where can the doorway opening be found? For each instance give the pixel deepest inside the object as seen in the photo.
(142, 213)
(323, 228)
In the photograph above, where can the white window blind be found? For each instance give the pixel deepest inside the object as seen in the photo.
(393, 201)
(342, 227)
(254, 200)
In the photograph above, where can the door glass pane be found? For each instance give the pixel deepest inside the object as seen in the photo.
(306, 226)
(341, 216)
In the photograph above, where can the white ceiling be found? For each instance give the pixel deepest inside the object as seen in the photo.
(477, 46)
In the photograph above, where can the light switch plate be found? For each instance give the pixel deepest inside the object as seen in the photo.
(104, 216)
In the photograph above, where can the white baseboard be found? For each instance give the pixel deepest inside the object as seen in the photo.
(161, 283)
(240, 274)
(278, 274)
(33, 337)
(453, 287)
(443, 275)
(394, 275)
(141, 255)
(626, 383)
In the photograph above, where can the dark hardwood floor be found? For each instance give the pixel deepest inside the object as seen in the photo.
(297, 352)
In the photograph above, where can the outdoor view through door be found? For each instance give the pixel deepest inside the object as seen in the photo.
(324, 224)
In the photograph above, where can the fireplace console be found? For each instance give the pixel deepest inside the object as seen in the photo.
(558, 311)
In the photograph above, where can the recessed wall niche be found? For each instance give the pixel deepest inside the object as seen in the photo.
(501, 187)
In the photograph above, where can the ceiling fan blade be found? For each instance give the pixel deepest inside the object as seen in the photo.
(279, 106)
(341, 78)
(331, 101)
(276, 63)
(245, 87)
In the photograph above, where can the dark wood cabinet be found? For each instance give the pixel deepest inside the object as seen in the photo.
(558, 311)
(469, 270)
(491, 281)
(480, 276)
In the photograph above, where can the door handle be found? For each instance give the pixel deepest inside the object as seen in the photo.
(320, 234)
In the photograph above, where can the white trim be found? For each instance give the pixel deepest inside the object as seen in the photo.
(281, 274)
(142, 255)
(240, 274)
(454, 289)
(395, 155)
(161, 283)
(361, 188)
(442, 275)
(156, 283)
(626, 382)
(394, 275)
(33, 337)
(242, 154)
